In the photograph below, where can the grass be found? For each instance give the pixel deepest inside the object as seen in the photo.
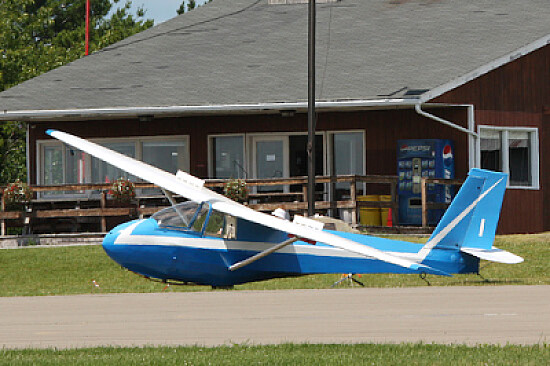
(72, 270)
(288, 354)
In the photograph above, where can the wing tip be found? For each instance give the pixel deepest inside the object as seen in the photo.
(50, 131)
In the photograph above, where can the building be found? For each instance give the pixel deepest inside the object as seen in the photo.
(222, 92)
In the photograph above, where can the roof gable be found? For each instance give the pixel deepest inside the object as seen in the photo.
(244, 52)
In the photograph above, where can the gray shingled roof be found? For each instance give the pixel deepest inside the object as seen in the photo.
(232, 52)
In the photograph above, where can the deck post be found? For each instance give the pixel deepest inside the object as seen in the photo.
(395, 203)
(2, 222)
(353, 194)
(424, 197)
(103, 203)
(305, 196)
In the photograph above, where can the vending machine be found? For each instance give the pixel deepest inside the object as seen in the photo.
(417, 159)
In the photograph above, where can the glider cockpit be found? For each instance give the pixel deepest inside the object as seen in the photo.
(198, 218)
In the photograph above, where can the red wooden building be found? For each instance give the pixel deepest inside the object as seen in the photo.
(221, 92)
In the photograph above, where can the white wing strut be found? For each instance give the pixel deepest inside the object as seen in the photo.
(260, 255)
(195, 192)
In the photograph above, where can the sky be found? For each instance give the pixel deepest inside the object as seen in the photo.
(159, 10)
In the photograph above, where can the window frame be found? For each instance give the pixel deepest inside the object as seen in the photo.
(533, 133)
(211, 157)
(136, 140)
(249, 152)
(330, 148)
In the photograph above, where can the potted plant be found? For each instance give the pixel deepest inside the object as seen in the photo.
(17, 196)
(236, 189)
(123, 191)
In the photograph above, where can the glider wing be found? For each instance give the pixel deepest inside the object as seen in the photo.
(189, 187)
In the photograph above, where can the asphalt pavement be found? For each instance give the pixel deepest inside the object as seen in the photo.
(463, 315)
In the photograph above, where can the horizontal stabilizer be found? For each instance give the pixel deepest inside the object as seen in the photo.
(493, 255)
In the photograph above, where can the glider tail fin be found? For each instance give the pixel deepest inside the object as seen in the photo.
(472, 218)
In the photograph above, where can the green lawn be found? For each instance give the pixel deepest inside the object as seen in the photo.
(287, 354)
(71, 270)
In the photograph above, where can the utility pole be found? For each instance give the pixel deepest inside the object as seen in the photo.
(87, 36)
(311, 117)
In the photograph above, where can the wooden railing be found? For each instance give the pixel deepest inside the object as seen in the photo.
(426, 205)
(77, 204)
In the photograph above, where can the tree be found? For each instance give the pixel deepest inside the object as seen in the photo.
(12, 152)
(191, 4)
(39, 35)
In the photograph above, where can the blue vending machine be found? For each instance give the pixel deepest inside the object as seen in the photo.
(423, 158)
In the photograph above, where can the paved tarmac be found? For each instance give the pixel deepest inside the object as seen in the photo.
(465, 315)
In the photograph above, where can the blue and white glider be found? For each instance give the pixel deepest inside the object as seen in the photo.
(213, 240)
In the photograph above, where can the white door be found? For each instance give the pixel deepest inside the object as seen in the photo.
(270, 159)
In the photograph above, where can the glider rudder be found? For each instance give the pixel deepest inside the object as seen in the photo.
(472, 218)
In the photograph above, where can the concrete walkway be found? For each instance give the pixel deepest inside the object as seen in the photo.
(470, 315)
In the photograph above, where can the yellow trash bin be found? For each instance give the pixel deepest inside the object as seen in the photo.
(369, 216)
(384, 211)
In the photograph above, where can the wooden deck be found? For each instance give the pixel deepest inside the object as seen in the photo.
(86, 206)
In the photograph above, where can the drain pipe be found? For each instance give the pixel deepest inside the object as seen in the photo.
(418, 109)
(470, 131)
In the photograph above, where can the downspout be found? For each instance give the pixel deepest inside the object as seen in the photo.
(418, 109)
(470, 131)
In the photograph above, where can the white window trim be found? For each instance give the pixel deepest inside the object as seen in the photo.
(211, 156)
(330, 154)
(272, 138)
(249, 151)
(40, 145)
(330, 150)
(250, 146)
(535, 166)
(137, 140)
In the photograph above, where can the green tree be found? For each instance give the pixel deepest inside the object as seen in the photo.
(191, 4)
(12, 152)
(39, 35)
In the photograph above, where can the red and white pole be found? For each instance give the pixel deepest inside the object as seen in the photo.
(87, 36)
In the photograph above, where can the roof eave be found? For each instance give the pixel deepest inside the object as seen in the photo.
(178, 111)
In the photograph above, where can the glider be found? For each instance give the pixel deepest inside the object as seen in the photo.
(212, 240)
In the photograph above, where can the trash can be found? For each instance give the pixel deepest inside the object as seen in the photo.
(369, 216)
(384, 211)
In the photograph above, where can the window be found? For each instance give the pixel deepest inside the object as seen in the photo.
(53, 165)
(184, 216)
(103, 172)
(347, 158)
(511, 150)
(170, 156)
(228, 154)
(519, 155)
(491, 158)
(63, 164)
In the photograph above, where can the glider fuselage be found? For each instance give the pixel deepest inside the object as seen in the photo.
(146, 248)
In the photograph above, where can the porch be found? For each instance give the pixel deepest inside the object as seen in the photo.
(87, 207)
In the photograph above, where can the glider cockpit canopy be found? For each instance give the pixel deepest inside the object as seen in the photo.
(199, 218)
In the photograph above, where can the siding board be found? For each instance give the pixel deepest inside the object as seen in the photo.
(516, 95)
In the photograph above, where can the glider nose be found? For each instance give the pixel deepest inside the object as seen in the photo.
(115, 250)
(110, 247)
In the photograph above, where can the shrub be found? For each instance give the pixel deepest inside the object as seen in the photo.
(17, 195)
(236, 189)
(123, 190)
